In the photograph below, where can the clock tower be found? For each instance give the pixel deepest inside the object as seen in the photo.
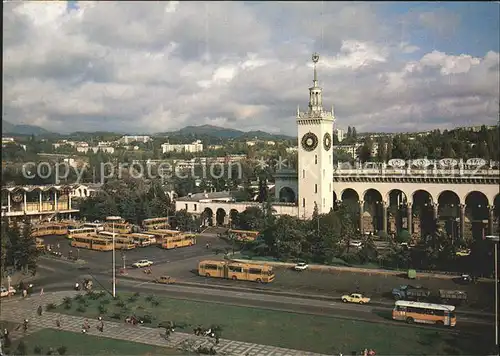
(315, 161)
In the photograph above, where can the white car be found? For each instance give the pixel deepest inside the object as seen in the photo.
(142, 263)
(301, 266)
(5, 293)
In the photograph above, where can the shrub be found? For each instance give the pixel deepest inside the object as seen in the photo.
(21, 348)
(92, 295)
(150, 298)
(102, 309)
(50, 306)
(155, 303)
(132, 299)
(147, 319)
(105, 301)
(81, 309)
(80, 297)
(37, 350)
(101, 294)
(137, 294)
(120, 304)
(67, 300)
(116, 316)
(62, 350)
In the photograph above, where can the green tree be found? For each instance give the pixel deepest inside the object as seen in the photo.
(252, 218)
(27, 254)
(285, 237)
(185, 221)
(365, 151)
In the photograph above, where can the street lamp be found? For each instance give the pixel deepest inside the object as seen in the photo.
(495, 239)
(113, 219)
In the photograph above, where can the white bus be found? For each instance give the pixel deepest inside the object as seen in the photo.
(425, 313)
(96, 226)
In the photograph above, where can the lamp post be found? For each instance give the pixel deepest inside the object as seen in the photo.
(112, 219)
(495, 239)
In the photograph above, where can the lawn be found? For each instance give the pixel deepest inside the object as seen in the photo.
(321, 334)
(40, 342)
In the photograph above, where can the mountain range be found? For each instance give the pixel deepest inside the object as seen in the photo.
(203, 130)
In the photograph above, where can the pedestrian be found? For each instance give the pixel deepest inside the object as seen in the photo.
(39, 310)
(101, 326)
(25, 325)
(25, 293)
(58, 322)
(58, 246)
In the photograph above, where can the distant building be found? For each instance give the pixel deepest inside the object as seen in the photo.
(129, 139)
(194, 147)
(63, 143)
(340, 134)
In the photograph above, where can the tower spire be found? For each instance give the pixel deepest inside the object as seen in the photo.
(315, 59)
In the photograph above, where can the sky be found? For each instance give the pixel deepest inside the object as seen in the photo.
(146, 67)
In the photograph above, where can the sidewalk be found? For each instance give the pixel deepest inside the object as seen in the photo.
(16, 310)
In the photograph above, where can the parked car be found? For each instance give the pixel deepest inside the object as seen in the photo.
(463, 253)
(142, 263)
(5, 293)
(165, 280)
(355, 298)
(301, 266)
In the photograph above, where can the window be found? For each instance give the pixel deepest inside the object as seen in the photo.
(330, 187)
(214, 267)
(315, 159)
(303, 173)
(254, 271)
(323, 202)
(315, 188)
(303, 202)
(186, 207)
(235, 269)
(324, 173)
(195, 207)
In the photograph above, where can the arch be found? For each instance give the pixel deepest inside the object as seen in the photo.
(477, 213)
(372, 195)
(496, 205)
(449, 204)
(220, 217)
(287, 195)
(396, 205)
(233, 217)
(422, 193)
(372, 211)
(349, 194)
(423, 215)
(396, 197)
(207, 217)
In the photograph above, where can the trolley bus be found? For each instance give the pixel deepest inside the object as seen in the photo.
(121, 242)
(49, 229)
(119, 227)
(243, 235)
(155, 223)
(178, 240)
(81, 232)
(425, 313)
(92, 243)
(143, 240)
(260, 273)
(40, 246)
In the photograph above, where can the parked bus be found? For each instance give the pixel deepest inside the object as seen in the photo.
(49, 229)
(92, 243)
(119, 227)
(81, 232)
(96, 226)
(178, 240)
(143, 240)
(425, 313)
(260, 273)
(121, 242)
(155, 223)
(242, 235)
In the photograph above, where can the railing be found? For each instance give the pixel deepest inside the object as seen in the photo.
(417, 172)
(35, 207)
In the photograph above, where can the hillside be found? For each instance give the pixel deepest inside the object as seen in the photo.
(9, 128)
(223, 133)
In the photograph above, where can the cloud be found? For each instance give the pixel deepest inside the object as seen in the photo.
(159, 66)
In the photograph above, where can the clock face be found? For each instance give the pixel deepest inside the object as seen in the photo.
(327, 141)
(309, 141)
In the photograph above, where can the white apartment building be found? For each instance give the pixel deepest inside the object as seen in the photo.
(353, 150)
(340, 134)
(194, 147)
(128, 139)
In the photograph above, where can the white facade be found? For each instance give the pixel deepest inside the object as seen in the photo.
(340, 134)
(128, 139)
(194, 147)
(315, 128)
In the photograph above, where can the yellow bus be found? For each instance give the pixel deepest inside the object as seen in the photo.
(143, 240)
(178, 240)
(243, 235)
(92, 243)
(120, 227)
(49, 229)
(260, 273)
(122, 242)
(155, 223)
(81, 232)
(425, 313)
